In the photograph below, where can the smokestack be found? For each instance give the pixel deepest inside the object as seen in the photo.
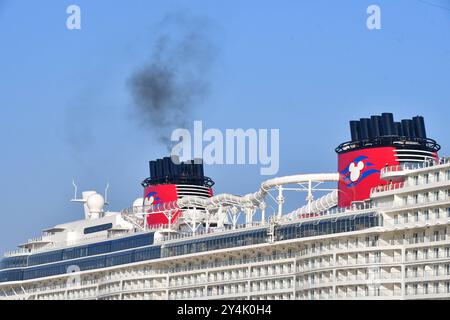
(398, 129)
(153, 169)
(419, 127)
(375, 126)
(354, 130)
(159, 169)
(364, 129)
(412, 133)
(387, 124)
(180, 173)
(406, 128)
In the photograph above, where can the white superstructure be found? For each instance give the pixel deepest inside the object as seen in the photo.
(405, 255)
(392, 242)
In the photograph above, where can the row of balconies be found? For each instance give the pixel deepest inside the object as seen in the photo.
(371, 260)
(142, 285)
(426, 254)
(143, 296)
(272, 285)
(82, 294)
(109, 289)
(354, 243)
(418, 218)
(425, 180)
(143, 273)
(427, 288)
(314, 264)
(272, 270)
(60, 286)
(228, 275)
(283, 296)
(53, 296)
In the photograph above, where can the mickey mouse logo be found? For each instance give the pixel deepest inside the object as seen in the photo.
(357, 170)
(151, 199)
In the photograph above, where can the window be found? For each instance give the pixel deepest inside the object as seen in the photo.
(416, 180)
(416, 216)
(436, 213)
(405, 218)
(416, 199)
(436, 195)
(426, 178)
(448, 212)
(396, 217)
(99, 228)
(99, 248)
(427, 215)
(375, 241)
(377, 257)
(448, 174)
(436, 236)
(436, 176)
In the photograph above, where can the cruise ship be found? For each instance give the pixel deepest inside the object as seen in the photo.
(375, 228)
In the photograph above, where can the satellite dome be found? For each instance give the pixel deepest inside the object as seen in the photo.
(138, 202)
(95, 203)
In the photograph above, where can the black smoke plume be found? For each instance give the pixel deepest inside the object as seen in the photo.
(167, 87)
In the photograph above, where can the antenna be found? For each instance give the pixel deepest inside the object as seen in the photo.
(75, 199)
(76, 189)
(106, 194)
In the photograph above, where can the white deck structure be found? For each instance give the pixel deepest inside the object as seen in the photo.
(405, 255)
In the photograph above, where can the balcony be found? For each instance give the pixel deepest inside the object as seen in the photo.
(394, 172)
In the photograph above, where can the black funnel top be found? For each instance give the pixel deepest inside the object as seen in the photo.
(172, 171)
(384, 131)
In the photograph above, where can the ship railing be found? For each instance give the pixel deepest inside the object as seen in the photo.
(420, 201)
(159, 226)
(39, 239)
(399, 185)
(354, 207)
(19, 252)
(62, 244)
(233, 262)
(421, 239)
(199, 233)
(361, 206)
(151, 209)
(415, 166)
(388, 187)
(369, 293)
(429, 275)
(430, 290)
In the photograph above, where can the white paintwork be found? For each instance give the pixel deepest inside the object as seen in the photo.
(398, 260)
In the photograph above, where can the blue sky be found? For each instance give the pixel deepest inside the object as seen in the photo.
(305, 67)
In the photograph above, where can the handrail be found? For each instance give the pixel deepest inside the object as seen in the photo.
(389, 141)
(415, 166)
(387, 187)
